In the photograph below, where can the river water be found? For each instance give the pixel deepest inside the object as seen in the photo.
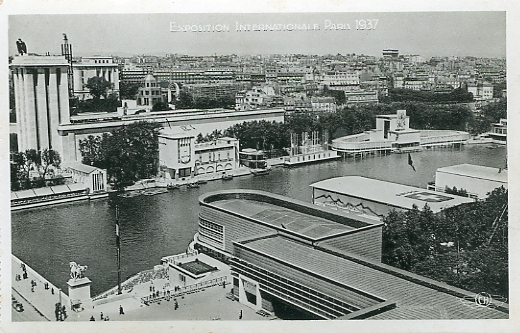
(48, 238)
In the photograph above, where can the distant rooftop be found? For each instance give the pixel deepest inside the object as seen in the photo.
(392, 194)
(476, 171)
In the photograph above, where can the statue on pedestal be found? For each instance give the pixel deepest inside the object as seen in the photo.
(20, 45)
(77, 271)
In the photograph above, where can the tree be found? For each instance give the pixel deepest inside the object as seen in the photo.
(22, 163)
(128, 90)
(460, 192)
(93, 150)
(129, 153)
(160, 106)
(465, 246)
(50, 160)
(185, 100)
(98, 87)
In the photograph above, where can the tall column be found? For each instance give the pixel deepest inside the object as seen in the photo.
(42, 111)
(19, 92)
(29, 128)
(52, 91)
(63, 91)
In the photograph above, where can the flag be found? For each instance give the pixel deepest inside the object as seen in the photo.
(117, 228)
(410, 162)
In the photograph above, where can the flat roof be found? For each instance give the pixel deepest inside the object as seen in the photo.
(426, 302)
(476, 171)
(300, 223)
(296, 217)
(81, 167)
(393, 194)
(33, 60)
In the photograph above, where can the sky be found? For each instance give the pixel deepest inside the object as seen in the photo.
(477, 33)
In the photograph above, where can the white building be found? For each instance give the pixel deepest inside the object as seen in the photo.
(346, 81)
(90, 67)
(376, 198)
(180, 157)
(95, 179)
(499, 132)
(476, 180)
(323, 104)
(481, 91)
(255, 98)
(150, 93)
(361, 96)
(42, 101)
(392, 133)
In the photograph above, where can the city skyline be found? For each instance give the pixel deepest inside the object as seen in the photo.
(430, 33)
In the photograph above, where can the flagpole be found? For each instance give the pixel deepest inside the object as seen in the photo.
(118, 244)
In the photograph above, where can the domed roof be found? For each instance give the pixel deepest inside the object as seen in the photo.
(149, 78)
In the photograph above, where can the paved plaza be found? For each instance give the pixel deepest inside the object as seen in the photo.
(206, 304)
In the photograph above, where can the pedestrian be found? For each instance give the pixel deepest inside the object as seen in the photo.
(121, 311)
(52, 291)
(64, 312)
(92, 318)
(240, 315)
(107, 319)
(101, 316)
(32, 288)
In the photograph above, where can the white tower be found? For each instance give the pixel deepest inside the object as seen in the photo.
(41, 99)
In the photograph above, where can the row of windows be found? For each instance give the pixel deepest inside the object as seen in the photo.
(153, 92)
(290, 285)
(305, 299)
(211, 234)
(211, 241)
(211, 225)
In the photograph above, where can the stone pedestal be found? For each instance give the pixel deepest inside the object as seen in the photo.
(79, 292)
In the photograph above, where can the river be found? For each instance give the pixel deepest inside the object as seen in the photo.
(49, 238)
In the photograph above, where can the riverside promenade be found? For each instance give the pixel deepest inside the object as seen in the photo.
(39, 303)
(210, 303)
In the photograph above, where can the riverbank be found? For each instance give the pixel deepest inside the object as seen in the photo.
(32, 291)
(197, 303)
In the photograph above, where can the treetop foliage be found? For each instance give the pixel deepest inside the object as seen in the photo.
(465, 246)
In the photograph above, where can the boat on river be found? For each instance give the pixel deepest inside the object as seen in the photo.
(193, 185)
(227, 176)
(261, 172)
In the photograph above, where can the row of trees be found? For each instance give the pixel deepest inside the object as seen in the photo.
(187, 101)
(458, 95)
(465, 246)
(24, 164)
(348, 120)
(490, 114)
(128, 154)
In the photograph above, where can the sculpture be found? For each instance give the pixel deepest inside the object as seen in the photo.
(20, 45)
(77, 271)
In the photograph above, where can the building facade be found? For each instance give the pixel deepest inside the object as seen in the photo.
(478, 181)
(180, 157)
(302, 261)
(90, 67)
(376, 198)
(42, 101)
